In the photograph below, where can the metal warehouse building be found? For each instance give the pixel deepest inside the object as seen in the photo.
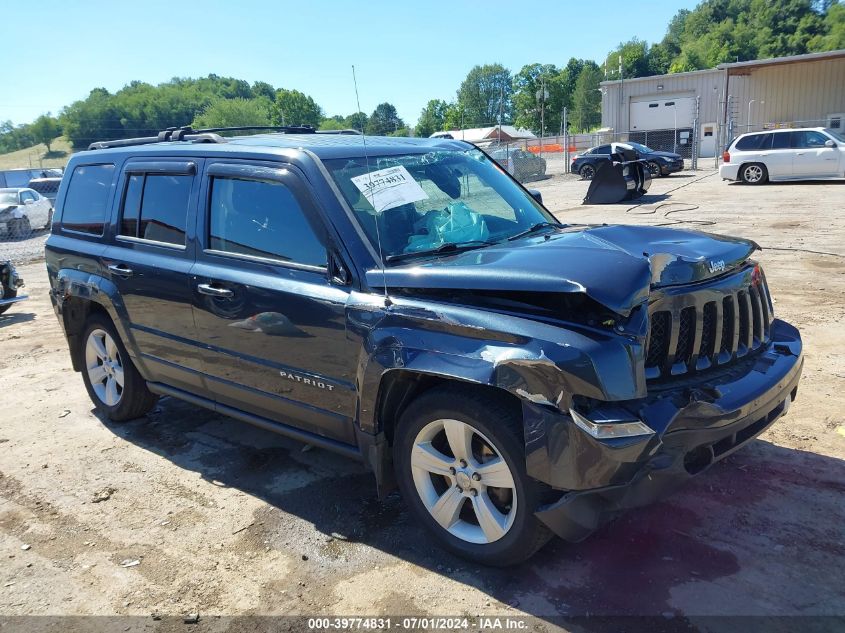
(706, 108)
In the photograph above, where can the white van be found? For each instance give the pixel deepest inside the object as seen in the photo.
(800, 154)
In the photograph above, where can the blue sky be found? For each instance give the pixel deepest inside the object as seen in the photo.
(405, 52)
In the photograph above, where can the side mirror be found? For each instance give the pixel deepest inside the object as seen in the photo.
(536, 195)
(829, 143)
(29, 201)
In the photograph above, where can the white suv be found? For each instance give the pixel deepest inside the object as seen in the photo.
(785, 155)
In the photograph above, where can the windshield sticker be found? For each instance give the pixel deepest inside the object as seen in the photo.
(388, 188)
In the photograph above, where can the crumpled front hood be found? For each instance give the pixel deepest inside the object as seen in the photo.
(615, 265)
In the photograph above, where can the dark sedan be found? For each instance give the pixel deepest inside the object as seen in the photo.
(659, 163)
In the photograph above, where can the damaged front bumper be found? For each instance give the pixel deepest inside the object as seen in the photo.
(695, 424)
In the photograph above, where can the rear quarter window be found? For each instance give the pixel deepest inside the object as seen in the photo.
(754, 142)
(87, 198)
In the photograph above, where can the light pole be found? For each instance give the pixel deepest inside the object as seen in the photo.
(748, 118)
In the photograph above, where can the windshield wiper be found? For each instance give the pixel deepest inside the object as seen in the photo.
(448, 247)
(534, 228)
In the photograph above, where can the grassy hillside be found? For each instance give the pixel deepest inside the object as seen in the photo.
(35, 156)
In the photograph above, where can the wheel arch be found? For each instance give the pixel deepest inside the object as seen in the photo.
(400, 387)
(77, 296)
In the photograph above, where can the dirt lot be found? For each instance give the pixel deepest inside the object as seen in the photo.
(226, 519)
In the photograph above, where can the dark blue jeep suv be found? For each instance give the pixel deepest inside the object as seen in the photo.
(408, 303)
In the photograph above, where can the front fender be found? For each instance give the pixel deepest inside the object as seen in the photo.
(537, 362)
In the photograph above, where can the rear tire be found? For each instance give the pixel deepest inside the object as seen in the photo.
(114, 385)
(587, 172)
(754, 174)
(477, 520)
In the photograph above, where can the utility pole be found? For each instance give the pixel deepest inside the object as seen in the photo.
(621, 91)
(542, 95)
(501, 109)
(565, 141)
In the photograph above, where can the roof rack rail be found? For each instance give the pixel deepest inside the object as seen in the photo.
(207, 135)
(287, 129)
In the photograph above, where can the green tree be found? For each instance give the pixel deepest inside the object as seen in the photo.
(335, 122)
(528, 106)
(834, 30)
(586, 100)
(432, 118)
(384, 120)
(356, 121)
(263, 89)
(234, 113)
(485, 94)
(295, 108)
(45, 129)
(453, 118)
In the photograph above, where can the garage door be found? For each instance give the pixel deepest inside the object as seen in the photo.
(659, 114)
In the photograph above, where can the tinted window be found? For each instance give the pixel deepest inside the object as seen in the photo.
(262, 219)
(602, 149)
(808, 139)
(132, 205)
(754, 142)
(164, 208)
(86, 199)
(780, 140)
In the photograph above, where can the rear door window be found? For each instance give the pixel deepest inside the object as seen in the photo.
(87, 198)
(602, 149)
(780, 140)
(155, 207)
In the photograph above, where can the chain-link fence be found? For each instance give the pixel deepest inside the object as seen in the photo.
(27, 197)
(536, 158)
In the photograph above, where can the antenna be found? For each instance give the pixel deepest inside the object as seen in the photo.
(387, 301)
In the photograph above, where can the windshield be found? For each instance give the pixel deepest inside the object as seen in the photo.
(8, 197)
(642, 149)
(417, 203)
(837, 135)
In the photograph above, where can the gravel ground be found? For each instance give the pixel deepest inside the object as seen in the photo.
(27, 250)
(226, 519)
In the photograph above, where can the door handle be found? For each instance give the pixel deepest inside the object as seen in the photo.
(121, 270)
(213, 291)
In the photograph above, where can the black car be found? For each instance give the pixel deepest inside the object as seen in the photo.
(409, 304)
(659, 163)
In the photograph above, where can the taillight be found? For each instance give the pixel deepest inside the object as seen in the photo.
(726, 156)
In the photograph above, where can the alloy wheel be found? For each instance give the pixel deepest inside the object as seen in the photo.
(104, 367)
(464, 481)
(753, 173)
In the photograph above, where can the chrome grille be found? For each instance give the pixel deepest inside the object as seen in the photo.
(712, 325)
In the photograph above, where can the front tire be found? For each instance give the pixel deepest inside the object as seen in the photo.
(114, 385)
(460, 464)
(754, 174)
(654, 169)
(20, 229)
(7, 292)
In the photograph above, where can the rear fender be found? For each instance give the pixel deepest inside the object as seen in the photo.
(74, 294)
